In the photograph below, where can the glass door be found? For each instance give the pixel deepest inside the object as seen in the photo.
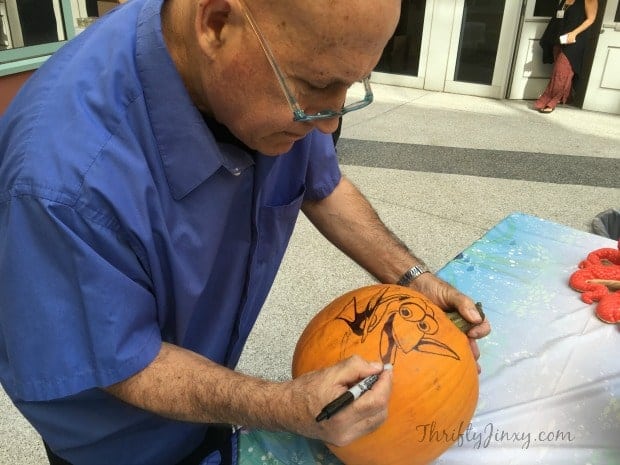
(404, 58)
(460, 46)
(29, 22)
(481, 48)
(402, 53)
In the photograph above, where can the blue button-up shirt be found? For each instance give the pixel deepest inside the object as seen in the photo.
(125, 223)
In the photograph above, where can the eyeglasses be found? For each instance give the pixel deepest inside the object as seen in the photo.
(298, 113)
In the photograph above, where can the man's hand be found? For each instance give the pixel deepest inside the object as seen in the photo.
(310, 392)
(448, 297)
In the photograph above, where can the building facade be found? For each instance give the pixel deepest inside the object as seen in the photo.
(490, 48)
(487, 48)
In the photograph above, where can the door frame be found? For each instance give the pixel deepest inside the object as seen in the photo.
(603, 85)
(529, 75)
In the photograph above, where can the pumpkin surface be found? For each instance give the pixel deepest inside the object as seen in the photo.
(435, 379)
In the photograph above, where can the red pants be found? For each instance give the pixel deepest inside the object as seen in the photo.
(558, 89)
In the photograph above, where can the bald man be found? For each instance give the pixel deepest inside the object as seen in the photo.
(151, 173)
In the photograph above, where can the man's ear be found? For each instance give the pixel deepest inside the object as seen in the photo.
(212, 17)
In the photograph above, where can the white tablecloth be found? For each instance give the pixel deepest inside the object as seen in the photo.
(550, 386)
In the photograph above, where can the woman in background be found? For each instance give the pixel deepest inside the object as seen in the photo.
(563, 44)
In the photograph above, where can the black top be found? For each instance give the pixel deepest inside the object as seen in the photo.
(574, 15)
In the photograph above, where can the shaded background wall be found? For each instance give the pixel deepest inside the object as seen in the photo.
(10, 85)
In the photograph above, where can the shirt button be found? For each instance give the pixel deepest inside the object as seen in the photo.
(236, 171)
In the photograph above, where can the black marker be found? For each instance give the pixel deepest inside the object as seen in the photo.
(349, 396)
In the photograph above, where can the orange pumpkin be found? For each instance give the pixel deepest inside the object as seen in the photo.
(435, 382)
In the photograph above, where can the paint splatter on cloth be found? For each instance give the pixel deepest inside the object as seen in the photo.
(258, 447)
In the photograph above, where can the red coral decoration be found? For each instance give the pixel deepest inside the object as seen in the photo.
(608, 309)
(598, 280)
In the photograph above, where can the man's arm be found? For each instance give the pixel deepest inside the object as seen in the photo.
(348, 220)
(182, 385)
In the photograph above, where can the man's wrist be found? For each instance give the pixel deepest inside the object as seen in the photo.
(412, 273)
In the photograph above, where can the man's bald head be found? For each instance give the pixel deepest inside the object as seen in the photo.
(321, 47)
(329, 24)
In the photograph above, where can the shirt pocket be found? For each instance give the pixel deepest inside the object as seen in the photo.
(275, 226)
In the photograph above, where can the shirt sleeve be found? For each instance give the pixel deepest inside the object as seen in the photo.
(76, 309)
(323, 173)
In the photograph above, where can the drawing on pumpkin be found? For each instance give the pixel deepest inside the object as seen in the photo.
(404, 323)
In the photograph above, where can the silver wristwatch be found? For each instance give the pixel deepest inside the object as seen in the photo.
(412, 273)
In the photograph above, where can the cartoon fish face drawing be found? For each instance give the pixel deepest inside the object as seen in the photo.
(402, 322)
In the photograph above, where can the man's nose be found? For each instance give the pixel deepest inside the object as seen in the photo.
(327, 126)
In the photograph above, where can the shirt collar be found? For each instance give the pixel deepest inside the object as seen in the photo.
(189, 152)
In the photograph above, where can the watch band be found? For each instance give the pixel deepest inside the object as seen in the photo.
(412, 273)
